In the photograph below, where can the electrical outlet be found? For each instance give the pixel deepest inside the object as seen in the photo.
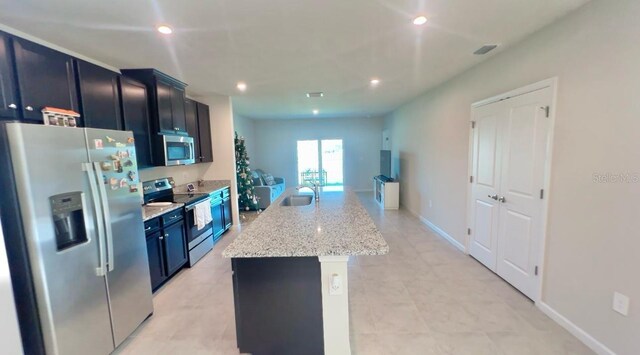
(335, 285)
(621, 303)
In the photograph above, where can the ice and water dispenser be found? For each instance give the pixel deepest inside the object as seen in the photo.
(68, 219)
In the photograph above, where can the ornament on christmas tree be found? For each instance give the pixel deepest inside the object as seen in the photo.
(247, 199)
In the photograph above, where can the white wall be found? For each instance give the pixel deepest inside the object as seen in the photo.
(593, 243)
(246, 128)
(276, 145)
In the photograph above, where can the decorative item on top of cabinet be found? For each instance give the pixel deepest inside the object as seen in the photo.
(135, 114)
(99, 96)
(8, 87)
(166, 100)
(45, 77)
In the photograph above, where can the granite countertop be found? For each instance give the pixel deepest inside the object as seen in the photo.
(208, 186)
(337, 225)
(149, 212)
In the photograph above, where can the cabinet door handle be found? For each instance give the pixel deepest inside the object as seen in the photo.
(29, 108)
(147, 229)
(166, 235)
(495, 197)
(13, 106)
(161, 237)
(502, 199)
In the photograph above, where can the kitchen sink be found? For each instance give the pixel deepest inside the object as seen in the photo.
(297, 200)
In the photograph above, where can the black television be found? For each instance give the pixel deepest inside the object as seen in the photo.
(385, 163)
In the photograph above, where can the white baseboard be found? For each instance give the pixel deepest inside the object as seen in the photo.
(439, 231)
(578, 332)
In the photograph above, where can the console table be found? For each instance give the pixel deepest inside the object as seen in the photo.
(387, 193)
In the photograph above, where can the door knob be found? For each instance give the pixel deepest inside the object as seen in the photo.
(502, 199)
(13, 106)
(29, 108)
(495, 197)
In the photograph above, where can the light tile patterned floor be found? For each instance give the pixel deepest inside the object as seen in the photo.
(424, 297)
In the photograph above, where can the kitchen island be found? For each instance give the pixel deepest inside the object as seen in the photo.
(290, 274)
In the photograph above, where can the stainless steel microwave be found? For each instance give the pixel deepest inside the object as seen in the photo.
(178, 150)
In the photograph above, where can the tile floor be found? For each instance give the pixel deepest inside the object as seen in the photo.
(424, 297)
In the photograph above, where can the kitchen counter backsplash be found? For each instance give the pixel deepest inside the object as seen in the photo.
(208, 186)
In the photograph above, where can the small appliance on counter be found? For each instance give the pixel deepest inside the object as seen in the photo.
(198, 221)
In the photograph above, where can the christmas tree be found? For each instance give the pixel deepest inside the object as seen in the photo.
(247, 199)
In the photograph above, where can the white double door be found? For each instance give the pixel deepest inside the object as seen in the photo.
(508, 167)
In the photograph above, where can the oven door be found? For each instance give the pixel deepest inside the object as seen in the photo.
(178, 150)
(194, 235)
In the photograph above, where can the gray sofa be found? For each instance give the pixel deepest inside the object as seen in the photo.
(266, 193)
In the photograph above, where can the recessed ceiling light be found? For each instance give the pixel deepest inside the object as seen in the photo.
(241, 86)
(419, 21)
(165, 30)
(375, 81)
(315, 94)
(315, 112)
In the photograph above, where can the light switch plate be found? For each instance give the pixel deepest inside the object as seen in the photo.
(621, 303)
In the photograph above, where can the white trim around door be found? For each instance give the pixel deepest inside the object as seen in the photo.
(552, 85)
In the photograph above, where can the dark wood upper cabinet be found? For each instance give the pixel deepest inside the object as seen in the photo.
(8, 89)
(166, 100)
(191, 116)
(204, 135)
(99, 96)
(45, 78)
(135, 114)
(177, 109)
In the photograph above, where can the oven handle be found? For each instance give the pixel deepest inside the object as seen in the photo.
(187, 209)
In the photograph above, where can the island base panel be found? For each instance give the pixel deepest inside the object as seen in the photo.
(278, 305)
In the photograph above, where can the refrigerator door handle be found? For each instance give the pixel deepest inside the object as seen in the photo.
(88, 168)
(106, 216)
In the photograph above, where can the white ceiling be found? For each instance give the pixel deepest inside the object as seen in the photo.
(285, 48)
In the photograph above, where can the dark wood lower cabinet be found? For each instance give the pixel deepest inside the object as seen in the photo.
(156, 260)
(226, 212)
(278, 305)
(218, 217)
(175, 247)
(166, 247)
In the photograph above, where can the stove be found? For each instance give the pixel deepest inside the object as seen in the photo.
(199, 241)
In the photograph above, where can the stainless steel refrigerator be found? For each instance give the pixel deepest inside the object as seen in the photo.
(79, 199)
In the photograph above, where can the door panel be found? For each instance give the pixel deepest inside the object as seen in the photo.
(204, 130)
(524, 157)
(165, 115)
(129, 285)
(45, 78)
(8, 96)
(99, 96)
(135, 112)
(72, 298)
(156, 260)
(486, 172)
(175, 247)
(191, 116)
(177, 110)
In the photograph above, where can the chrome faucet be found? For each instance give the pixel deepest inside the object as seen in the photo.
(312, 187)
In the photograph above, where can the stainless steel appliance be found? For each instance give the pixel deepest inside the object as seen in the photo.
(178, 150)
(199, 241)
(79, 199)
(10, 342)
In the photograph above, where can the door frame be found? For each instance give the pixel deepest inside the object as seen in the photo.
(551, 83)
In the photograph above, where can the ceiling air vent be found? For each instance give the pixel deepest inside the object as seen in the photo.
(315, 94)
(485, 49)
